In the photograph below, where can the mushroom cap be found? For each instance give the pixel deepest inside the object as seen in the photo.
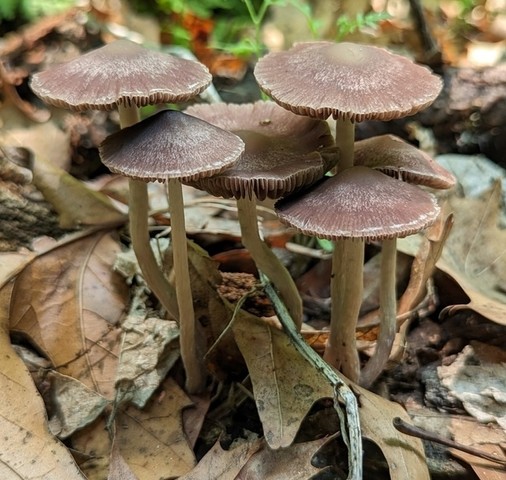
(393, 156)
(283, 151)
(170, 144)
(347, 81)
(360, 203)
(120, 73)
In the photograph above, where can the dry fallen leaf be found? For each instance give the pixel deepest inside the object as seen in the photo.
(29, 450)
(487, 438)
(475, 253)
(152, 440)
(223, 464)
(68, 302)
(293, 462)
(75, 203)
(286, 386)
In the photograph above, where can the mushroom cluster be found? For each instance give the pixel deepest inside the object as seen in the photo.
(166, 147)
(352, 83)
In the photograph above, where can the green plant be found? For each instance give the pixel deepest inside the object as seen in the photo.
(31, 9)
(346, 25)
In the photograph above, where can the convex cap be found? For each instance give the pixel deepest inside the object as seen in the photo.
(393, 156)
(283, 153)
(360, 203)
(121, 72)
(170, 144)
(346, 80)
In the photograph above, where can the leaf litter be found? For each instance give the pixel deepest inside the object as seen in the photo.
(143, 443)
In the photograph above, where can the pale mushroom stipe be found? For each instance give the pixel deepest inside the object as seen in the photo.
(284, 153)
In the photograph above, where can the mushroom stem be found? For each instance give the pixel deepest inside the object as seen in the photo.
(346, 291)
(192, 362)
(388, 311)
(347, 278)
(266, 260)
(345, 141)
(139, 233)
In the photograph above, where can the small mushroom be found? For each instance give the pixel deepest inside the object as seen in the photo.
(126, 76)
(347, 81)
(173, 146)
(284, 153)
(393, 156)
(359, 204)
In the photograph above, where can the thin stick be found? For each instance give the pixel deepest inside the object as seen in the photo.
(418, 432)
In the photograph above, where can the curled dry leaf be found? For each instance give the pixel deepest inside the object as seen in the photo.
(74, 405)
(75, 203)
(286, 386)
(475, 253)
(29, 450)
(149, 350)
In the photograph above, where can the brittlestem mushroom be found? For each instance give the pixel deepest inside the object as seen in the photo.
(126, 76)
(284, 152)
(359, 204)
(172, 147)
(398, 159)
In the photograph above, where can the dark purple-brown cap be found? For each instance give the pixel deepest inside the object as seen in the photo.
(170, 144)
(393, 156)
(360, 203)
(346, 80)
(284, 151)
(120, 73)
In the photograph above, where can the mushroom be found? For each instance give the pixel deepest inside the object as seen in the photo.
(284, 152)
(126, 76)
(359, 204)
(393, 156)
(173, 146)
(351, 83)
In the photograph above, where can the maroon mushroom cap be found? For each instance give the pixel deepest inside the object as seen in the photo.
(170, 144)
(393, 156)
(347, 81)
(283, 152)
(121, 72)
(361, 203)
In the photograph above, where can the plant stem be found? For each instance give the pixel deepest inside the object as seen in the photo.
(343, 394)
(193, 364)
(346, 292)
(139, 233)
(388, 313)
(266, 260)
